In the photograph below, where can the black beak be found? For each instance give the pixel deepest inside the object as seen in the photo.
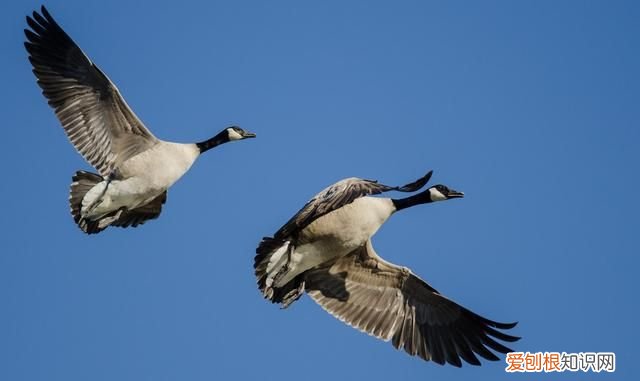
(455, 194)
(247, 135)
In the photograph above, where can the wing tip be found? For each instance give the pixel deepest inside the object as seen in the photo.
(416, 185)
(497, 324)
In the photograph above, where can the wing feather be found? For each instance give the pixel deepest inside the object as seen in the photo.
(88, 105)
(391, 303)
(140, 215)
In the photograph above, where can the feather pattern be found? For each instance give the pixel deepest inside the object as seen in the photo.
(95, 117)
(391, 303)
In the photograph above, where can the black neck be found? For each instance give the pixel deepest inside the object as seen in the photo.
(221, 138)
(420, 198)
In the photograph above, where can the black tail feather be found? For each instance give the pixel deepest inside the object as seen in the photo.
(284, 295)
(81, 183)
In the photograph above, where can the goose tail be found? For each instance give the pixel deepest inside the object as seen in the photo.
(272, 256)
(81, 183)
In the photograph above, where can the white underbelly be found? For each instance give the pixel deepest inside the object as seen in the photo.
(352, 225)
(144, 177)
(337, 234)
(160, 166)
(130, 193)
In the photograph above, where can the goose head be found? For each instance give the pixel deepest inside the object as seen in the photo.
(442, 192)
(227, 135)
(237, 133)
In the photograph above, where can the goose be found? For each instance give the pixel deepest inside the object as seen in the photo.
(135, 168)
(325, 250)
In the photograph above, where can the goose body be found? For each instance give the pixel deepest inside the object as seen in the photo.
(334, 235)
(325, 250)
(144, 177)
(135, 168)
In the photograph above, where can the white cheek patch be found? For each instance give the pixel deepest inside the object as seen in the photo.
(233, 134)
(436, 195)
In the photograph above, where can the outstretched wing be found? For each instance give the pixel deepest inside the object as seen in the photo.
(337, 195)
(95, 117)
(391, 303)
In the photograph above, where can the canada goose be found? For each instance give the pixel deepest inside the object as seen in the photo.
(325, 250)
(135, 167)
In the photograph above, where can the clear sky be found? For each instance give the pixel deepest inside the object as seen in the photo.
(530, 107)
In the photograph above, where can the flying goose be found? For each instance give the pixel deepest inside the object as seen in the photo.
(325, 250)
(135, 167)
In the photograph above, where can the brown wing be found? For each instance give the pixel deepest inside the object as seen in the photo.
(95, 117)
(337, 195)
(390, 303)
(140, 215)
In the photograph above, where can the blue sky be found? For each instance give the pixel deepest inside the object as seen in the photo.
(529, 107)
